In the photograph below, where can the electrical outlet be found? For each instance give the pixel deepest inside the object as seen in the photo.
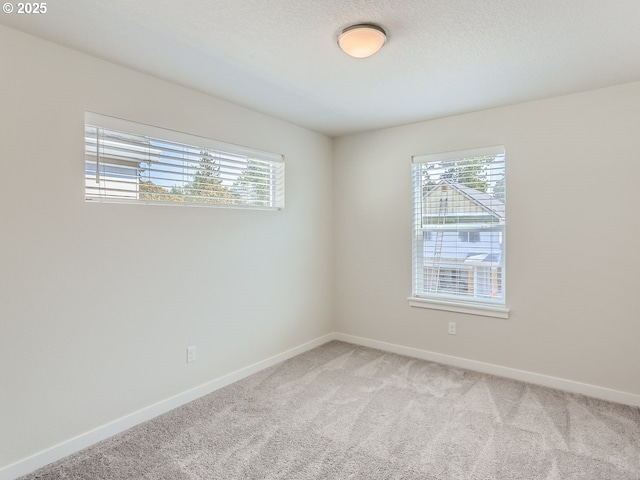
(452, 328)
(191, 354)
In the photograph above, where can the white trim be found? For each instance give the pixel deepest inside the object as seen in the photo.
(63, 449)
(134, 201)
(484, 310)
(68, 447)
(498, 370)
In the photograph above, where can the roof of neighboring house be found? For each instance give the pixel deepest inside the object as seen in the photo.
(488, 202)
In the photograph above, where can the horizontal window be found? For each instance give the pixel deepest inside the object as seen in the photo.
(134, 163)
(459, 227)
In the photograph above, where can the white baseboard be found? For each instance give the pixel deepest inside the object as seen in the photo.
(52, 454)
(498, 370)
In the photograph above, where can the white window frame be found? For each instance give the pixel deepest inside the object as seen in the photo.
(424, 297)
(180, 167)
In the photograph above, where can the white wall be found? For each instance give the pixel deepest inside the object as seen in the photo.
(573, 271)
(81, 344)
(73, 358)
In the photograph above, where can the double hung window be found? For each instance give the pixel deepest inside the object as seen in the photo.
(459, 221)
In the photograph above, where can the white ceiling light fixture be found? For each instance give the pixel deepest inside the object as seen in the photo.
(363, 40)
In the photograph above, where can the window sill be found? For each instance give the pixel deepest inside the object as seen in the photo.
(483, 310)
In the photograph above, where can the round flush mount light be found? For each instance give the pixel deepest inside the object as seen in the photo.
(361, 41)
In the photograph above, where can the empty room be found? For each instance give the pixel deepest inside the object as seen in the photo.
(367, 239)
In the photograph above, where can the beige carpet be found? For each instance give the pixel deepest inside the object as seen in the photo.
(347, 412)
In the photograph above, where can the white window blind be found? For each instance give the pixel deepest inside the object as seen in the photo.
(136, 163)
(459, 227)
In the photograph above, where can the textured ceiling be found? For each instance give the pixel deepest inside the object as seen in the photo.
(280, 57)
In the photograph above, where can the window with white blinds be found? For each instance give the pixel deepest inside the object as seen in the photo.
(135, 163)
(459, 227)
